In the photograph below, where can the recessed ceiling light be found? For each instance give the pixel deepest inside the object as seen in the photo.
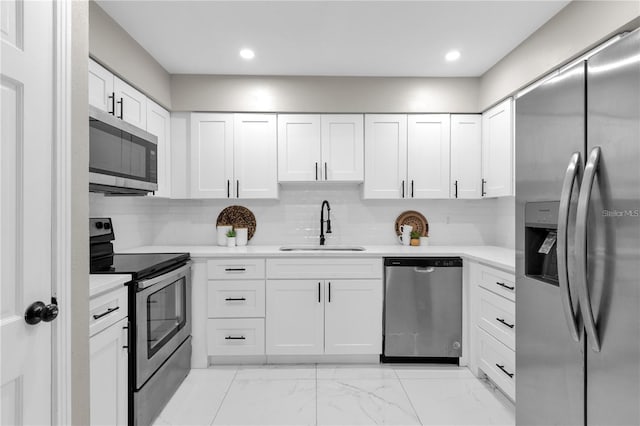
(452, 55)
(247, 54)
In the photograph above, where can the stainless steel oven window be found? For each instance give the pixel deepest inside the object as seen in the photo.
(166, 315)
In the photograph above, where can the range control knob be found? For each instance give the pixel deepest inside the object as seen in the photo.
(107, 225)
(99, 225)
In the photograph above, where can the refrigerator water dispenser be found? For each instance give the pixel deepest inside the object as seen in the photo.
(541, 223)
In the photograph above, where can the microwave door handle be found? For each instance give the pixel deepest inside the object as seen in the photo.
(169, 276)
(571, 175)
(584, 200)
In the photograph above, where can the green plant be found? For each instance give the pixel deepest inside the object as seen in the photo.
(231, 233)
(415, 234)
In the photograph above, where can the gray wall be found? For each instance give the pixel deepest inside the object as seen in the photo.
(79, 215)
(580, 26)
(112, 46)
(323, 94)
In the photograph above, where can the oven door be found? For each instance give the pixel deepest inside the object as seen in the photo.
(163, 319)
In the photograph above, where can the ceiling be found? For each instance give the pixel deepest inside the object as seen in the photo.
(331, 38)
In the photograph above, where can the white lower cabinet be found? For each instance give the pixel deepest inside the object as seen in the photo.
(237, 336)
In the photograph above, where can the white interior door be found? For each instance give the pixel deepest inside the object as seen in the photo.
(343, 147)
(25, 207)
(298, 147)
(428, 155)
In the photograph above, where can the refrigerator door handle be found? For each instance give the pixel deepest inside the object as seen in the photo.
(572, 174)
(584, 199)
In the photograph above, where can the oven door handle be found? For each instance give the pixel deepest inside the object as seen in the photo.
(169, 276)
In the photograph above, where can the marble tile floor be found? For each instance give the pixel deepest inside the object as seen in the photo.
(385, 394)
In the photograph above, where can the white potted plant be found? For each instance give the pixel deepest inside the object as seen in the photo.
(231, 238)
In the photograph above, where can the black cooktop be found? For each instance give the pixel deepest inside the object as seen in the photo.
(139, 265)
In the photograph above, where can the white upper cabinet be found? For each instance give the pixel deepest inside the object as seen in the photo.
(131, 104)
(101, 87)
(428, 156)
(385, 171)
(255, 155)
(159, 124)
(211, 155)
(233, 156)
(298, 147)
(497, 150)
(466, 154)
(342, 147)
(328, 147)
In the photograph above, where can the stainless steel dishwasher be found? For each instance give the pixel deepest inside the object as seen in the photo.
(423, 309)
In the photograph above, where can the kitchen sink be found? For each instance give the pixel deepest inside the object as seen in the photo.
(322, 248)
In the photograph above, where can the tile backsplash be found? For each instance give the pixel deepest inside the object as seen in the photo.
(295, 218)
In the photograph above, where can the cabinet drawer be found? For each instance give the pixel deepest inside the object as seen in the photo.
(498, 362)
(107, 309)
(324, 268)
(235, 269)
(235, 336)
(497, 317)
(500, 282)
(233, 299)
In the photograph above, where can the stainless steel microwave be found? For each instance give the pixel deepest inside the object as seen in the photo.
(123, 159)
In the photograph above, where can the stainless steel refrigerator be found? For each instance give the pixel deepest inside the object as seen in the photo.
(578, 243)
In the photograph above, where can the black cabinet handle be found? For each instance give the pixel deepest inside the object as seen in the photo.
(501, 367)
(235, 338)
(456, 185)
(235, 269)
(121, 103)
(228, 183)
(112, 96)
(107, 312)
(505, 286)
(482, 193)
(238, 188)
(412, 189)
(325, 171)
(329, 291)
(129, 334)
(316, 170)
(505, 323)
(318, 292)
(402, 189)
(235, 299)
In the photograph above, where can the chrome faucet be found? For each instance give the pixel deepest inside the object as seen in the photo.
(322, 221)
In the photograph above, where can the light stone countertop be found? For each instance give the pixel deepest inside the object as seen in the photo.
(103, 283)
(498, 257)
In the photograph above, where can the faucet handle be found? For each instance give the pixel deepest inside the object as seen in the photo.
(328, 226)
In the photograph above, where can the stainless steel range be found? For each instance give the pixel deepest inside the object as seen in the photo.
(159, 316)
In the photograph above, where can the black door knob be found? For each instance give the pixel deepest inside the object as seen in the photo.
(38, 311)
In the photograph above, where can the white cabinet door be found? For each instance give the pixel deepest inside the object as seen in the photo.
(100, 87)
(353, 317)
(255, 156)
(159, 124)
(131, 104)
(497, 150)
(385, 171)
(211, 155)
(342, 147)
(428, 155)
(294, 317)
(466, 155)
(298, 147)
(108, 375)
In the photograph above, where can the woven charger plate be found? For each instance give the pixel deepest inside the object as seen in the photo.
(415, 219)
(238, 217)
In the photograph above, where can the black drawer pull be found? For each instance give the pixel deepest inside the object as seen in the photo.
(505, 286)
(235, 299)
(505, 323)
(235, 338)
(501, 367)
(235, 269)
(108, 311)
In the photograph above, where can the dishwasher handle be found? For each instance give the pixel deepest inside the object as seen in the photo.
(424, 270)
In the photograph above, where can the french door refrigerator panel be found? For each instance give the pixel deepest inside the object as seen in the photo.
(613, 234)
(549, 363)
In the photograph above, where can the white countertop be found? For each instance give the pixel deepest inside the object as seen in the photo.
(498, 257)
(103, 283)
